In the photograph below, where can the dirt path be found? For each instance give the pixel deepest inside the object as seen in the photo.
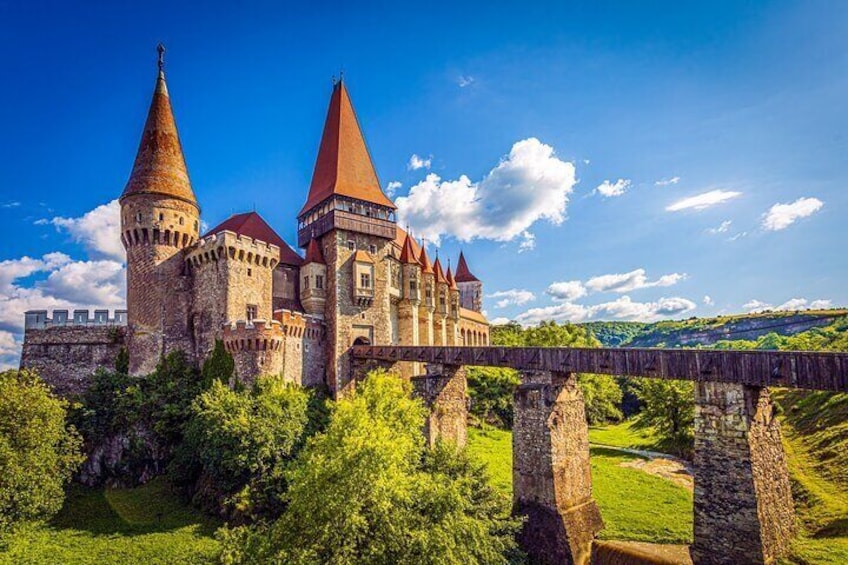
(663, 465)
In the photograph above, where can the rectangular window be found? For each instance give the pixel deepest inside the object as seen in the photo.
(364, 280)
(319, 281)
(351, 245)
(251, 312)
(372, 249)
(305, 282)
(249, 271)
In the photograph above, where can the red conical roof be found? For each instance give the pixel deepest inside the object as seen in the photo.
(424, 261)
(407, 252)
(313, 253)
(451, 281)
(462, 272)
(343, 166)
(252, 225)
(440, 274)
(160, 166)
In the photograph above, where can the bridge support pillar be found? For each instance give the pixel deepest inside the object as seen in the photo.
(552, 479)
(359, 369)
(743, 500)
(443, 390)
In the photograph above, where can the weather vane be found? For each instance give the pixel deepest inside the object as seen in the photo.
(161, 50)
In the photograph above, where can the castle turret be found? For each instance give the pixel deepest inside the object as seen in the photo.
(470, 287)
(453, 310)
(440, 318)
(159, 218)
(313, 276)
(354, 225)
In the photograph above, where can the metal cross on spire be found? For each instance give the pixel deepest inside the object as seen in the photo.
(161, 50)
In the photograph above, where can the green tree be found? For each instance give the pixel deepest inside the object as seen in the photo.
(122, 361)
(244, 440)
(38, 451)
(167, 395)
(219, 366)
(490, 390)
(669, 407)
(367, 490)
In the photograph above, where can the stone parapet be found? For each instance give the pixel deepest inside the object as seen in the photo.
(42, 319)
(227, 244)
(256, 347)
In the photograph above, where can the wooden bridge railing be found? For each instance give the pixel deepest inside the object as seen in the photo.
(791, 369)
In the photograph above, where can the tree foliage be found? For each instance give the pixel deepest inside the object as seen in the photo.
(243, 441)
(367, 490)
(38, 452)
(669, 407)
(219, 366)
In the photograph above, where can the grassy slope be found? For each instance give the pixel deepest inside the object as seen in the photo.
(142, 525)
(634, 505)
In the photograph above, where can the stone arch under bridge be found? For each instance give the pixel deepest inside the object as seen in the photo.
(743, 510)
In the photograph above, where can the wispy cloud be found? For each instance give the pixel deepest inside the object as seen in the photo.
(790, 305)
(781, 216)
(464, 80)
(511, 297)
(634, 280)
(667, 182)
(392, 188)
(703, 200)
(721, 228)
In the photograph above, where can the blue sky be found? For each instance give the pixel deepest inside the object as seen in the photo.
(522, 112)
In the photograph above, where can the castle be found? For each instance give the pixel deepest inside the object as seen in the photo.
(362, 278)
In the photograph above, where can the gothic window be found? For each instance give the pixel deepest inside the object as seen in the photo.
(182, 220)
(413, 286)
(319, 281)
(138, 217)
(251, 312)
(161, 216)
(305, 282)
(364, 280)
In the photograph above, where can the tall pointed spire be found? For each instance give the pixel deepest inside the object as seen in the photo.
(344, 165)
(407, 253)
(437, 269)
(160, 166)
(426, 267)
(463, 274)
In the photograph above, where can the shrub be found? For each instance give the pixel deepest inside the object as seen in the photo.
(38, 451)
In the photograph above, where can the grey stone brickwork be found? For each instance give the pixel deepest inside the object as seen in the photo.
(444, 391)
(66, 357)
(552, 479)
(743, 500)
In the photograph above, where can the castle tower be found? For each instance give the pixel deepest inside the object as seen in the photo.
(440, 329)
(470, 287)
(453, 310)
(428, 300)
(313, 286)
(354, 225)
(159, 218)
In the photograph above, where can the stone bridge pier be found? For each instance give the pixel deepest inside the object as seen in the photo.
(551, 477)
(743, 500)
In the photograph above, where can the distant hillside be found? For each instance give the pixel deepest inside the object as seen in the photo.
(707, 331)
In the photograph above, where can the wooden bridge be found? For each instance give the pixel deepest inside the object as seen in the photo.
(743, 510)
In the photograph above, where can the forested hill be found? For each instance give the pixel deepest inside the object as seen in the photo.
(709, 331)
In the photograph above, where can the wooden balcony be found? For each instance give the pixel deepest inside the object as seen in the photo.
(347, 221)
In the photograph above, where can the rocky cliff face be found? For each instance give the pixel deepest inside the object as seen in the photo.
(125, 459)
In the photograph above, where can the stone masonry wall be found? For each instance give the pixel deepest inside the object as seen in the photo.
(552, 480)
(346, 319)
(257, 349)
(66, 357)
(743, 500)
(444, 391)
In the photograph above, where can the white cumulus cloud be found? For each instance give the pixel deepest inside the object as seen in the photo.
(528, 185)
(790, 305)
(703, 200)
(393, 187)
(781, 216)
(634, 280)
(610, 189)
(416, 162)
(99, 230)
(623, 308)
(566, 291)
(511, 297)
(708, 300)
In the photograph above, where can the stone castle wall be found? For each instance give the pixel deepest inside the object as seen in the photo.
(67, 356)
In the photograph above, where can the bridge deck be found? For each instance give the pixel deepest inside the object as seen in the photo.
(791, 369)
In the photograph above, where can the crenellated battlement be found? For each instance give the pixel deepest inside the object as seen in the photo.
(40, 320)
(300, 325)
(236, 247)
(257, 335)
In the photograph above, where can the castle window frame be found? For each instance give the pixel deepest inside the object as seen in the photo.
(249, 272)
(138, 217)
(161, 217)
(372, 249)
(251, 312)
(182, 221)
(365, 280)
(305, 282)
(319, 282)
(351, 245)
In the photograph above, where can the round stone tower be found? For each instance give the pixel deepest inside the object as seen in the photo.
(159, 218)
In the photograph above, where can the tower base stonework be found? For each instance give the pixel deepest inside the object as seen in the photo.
(743, 499)
(443, 390)
(552, 479)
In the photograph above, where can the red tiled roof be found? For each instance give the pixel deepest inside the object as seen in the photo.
(313, 253)
(252, 225)
(462, 272)
(407, 253)
(160, 166)
(451, 281)
(343, 165)
(424, 261)
(440, 274)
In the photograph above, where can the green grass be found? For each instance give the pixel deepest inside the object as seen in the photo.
(635, 505)
(147, 525)
(625, 434)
